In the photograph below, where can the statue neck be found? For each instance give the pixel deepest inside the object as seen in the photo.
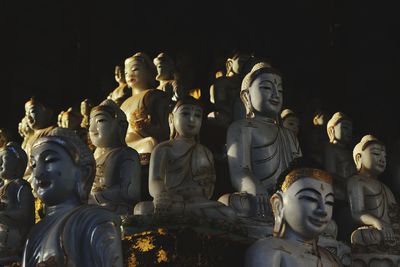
(367, 174)
(63, 207)
(265, 119)
(136, 91)
(290, 234)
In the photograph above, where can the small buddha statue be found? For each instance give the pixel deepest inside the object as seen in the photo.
(16, 203)
(373, 205)
(122, 92)
(24, 131)
(117, 185)
(86, 107)
(258, 148)
(290, 121)
(182, 174)
(166, 76)
(72, 233)
(147, 109)
(59, 119)
(337, 155)
(302, 208)
(3, 138)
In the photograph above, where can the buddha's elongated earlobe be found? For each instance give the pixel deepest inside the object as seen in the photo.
(245, 96)
(277, 208)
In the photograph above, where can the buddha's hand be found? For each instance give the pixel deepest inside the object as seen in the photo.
(387, 233)
(162, 202)
(262, 206)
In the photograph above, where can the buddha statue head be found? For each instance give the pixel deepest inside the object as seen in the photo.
(71, 119)
(23, 128)
(262, 92)
(13, 161)
(237, 63)
(340, 128)
(290, 120)
(186, 119)
(63, 168)
(319, 118)
(370, 156)
(86, 107)
(37, 114)
(108, 125)
(303, 203)
(165, 67)
(119, 75)
(3, 138)
(140, 72)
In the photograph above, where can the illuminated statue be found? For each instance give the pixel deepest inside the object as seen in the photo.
(24, 131)
(72, 233)
(3, 138)
(290, 121)
(259, 150)
(302, 209)
(86, 107)
(182, 174)
(166, 76)
(374, 207)
(146, 109)
(337, 158)
(122, 92)
(16, 203)
(117, 182)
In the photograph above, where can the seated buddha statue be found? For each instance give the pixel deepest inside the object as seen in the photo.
(290, 121)
(182, 174)
(337, 155)
(71, 119)
(147, 109)
(372, 203)
(122, 92)
(72, 233)
(117, 182)
(167, 78)
(258, 148)
(86, 107)
(16, 203)
(302, 209)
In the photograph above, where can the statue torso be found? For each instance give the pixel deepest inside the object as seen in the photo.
(344, 163)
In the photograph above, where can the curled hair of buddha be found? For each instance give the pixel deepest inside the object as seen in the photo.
(79, 153)
(110, 107)
(188, 100)
(337, 118)
(365, 142)
(21, 157)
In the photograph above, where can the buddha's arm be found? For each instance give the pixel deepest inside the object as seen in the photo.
(23, 209)
(129, 175)
(329, 160)
(239, 158)
(156, 170)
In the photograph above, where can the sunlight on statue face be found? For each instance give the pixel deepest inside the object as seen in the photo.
(291, 123)
(266, 94)
(103, 129)
(136, 76)
(35, 115)
(308, 205)
(373, 158)
(54, 173)
(344, 131)
(164, 71)
(187, 120)
(238, 63)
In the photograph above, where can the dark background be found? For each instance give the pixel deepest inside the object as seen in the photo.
(344, 53)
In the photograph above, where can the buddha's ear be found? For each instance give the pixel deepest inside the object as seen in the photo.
(245, 96)
(331, 133)
(358, 161)
(277, 208)
(171, 125)
(228, 65)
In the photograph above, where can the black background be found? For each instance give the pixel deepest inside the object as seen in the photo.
(345, 53)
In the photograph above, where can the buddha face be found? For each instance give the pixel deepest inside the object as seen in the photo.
(373, 159)
(36, 116)
(164, 71)
(119, 76)
(103, 129)
(137, 75)
(70, 121)
(85, 108)
(55, 175)
(238, 62)
(187, 120)
(8, 165)
(266, 95)
(307, 207)
(291, 123)
(343, 131)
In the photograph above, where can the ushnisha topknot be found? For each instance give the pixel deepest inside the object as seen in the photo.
(259, 68)
(297, 174)
(335, 120)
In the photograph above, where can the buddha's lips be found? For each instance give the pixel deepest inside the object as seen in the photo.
(317, 222)
(274, 102)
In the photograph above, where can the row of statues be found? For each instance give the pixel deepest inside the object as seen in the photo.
(88, 174)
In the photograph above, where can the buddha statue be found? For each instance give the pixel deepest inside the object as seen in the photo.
(24, 131)
(337, 155)
(225, 91)
(373, 206)
(71, 119)
(117, 185)
(290, 121)
(3, 138)
(86, 107)
(258, 148)
(147, 109)
(59, 119)
(72, 233)
(122, 92)
(302, 208)
(182, 175)
(16, 203)
(166, 76)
